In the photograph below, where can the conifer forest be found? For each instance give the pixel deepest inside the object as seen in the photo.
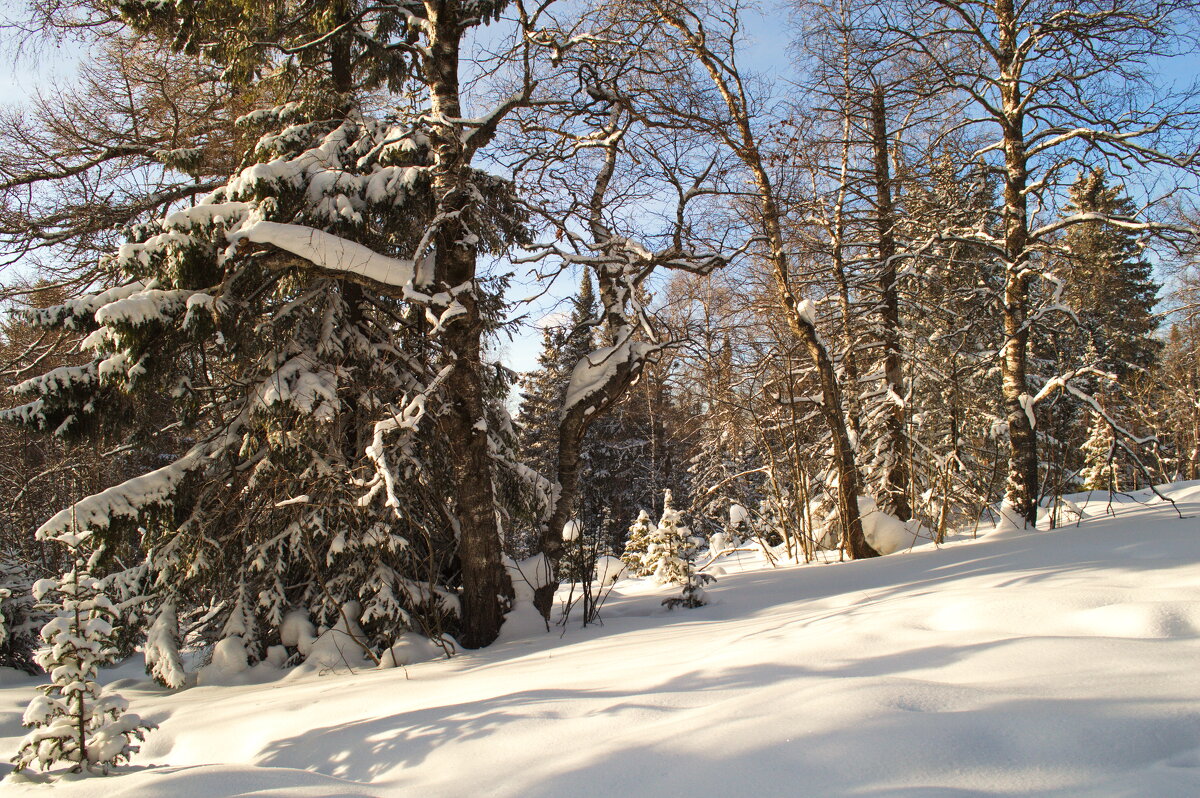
(353, 334)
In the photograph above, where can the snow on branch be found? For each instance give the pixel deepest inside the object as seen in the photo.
(126, 500)
(328, 251)
(593, 373)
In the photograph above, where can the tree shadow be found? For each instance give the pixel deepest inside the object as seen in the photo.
(363, 750)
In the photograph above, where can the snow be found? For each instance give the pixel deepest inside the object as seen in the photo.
(229, 655)
(593, 372)
(887, 534)
(571, 530)
(737, 516)
(410, 649)
(1009, 520)
(608, 569)
(328, 251)
(339, 648)
(123, 500)
(297, 631)
(1051, 663)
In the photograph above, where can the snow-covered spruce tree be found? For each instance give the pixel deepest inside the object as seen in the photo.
(637, 545)
(671, 554)
(75, 722)
(693, 594)
(318, 322)
(19, 618)
(1108, 281)
(667, 545)
(1103, 277)
(1099, 471)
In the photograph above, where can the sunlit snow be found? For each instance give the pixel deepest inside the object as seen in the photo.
(1044, 663)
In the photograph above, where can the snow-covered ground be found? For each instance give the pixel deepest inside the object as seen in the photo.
(1048, 664)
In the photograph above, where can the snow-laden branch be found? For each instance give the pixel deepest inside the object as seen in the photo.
(328, 251)
(594, 373)
(126, 500)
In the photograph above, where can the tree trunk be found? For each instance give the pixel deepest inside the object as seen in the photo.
(832, 409)
(896, 477)
(740, 136)
(485, 583)
(1021, 489)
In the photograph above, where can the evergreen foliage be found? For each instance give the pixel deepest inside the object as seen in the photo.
(290, 321)
(1108, 281)
(75, 722)
(668, 547)
(1099, 471)
(637, 545)
(19, 617)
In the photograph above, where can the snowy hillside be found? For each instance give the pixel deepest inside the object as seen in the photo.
(1051, 663)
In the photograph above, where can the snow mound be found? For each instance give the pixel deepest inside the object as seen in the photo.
(571, 530)
(409, 649)
(887, 534)
(339, 648)
(608, 569)
(298, 632)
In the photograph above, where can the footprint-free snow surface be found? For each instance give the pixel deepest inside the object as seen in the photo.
(1051, 663)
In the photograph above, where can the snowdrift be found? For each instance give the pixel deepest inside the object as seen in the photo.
(1049, 663)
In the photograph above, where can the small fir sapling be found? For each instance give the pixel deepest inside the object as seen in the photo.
(693, 594)
(637, 544)
(672, 552)
(1099, 470)
(75, 722)
(665, 553)
(670, 556)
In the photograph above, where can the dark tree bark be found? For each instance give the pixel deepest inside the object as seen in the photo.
(485, 584)
(896, 479)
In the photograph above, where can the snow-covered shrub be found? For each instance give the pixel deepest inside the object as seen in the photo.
(163, 661)
(75, 722)
(341, 647)
(608, 569)
(886, 533)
